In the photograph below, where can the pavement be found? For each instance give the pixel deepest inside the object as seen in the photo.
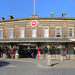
(43, 62)
(25, 66)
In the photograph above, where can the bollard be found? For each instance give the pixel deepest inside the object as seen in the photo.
(61, 57)
(4, 55)
(49, 60)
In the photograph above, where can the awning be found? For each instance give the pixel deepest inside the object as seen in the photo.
(36, 39)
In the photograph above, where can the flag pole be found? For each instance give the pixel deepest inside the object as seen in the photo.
(34, 6)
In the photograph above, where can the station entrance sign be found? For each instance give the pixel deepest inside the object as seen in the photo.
(33, 23)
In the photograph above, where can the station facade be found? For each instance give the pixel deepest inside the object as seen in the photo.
(36, 37)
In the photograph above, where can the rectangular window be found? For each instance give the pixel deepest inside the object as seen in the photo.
(0, 34)
(21, 33)
(11, 33)
(70, 32)
(33, 32)
(46, 32)
(58, 32)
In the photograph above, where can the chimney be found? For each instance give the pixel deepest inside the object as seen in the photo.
(10, 16)
(51, 14)
(63, 15)
(2, 18)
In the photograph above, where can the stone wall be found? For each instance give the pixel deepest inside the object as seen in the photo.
(54, 56)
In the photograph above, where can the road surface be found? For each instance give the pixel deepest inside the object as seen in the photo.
(30, 68)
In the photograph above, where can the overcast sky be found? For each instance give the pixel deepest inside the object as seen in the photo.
(25, 8)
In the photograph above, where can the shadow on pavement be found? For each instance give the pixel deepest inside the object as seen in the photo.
(54, 64)
(3, 63)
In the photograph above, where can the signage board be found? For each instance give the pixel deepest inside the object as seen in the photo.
(33, 23)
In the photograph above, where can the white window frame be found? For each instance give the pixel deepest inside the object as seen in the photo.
(58, 34)
(1, 35)
(46, 34)
(33, 33)
(10, 33)
(21, 33)
(70, 32)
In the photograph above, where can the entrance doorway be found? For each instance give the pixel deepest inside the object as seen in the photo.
(27, 51)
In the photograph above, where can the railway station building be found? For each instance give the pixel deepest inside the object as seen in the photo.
(36, 37)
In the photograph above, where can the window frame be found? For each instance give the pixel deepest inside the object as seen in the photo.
(46, 34)
(23, 33)
(58, 34)
(71, 33)
(10, 33)
(35, 33)
(2, 34)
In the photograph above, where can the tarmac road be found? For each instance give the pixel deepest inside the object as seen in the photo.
(30, 68)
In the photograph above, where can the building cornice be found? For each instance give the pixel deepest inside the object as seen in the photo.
(38, 18)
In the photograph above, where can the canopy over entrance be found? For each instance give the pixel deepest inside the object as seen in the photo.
(37, 39)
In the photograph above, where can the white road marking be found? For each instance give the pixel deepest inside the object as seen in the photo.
(10, 66)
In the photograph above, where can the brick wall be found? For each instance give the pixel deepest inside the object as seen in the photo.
(40, 32)
(64, 32)
(28, 32)
(41, 24)
(5, 33)
(52, 31)
(16, 32)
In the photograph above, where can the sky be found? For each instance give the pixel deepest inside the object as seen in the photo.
(43, 8)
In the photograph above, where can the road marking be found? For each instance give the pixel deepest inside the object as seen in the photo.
(10, 66)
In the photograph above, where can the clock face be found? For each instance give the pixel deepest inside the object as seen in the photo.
(33, 23)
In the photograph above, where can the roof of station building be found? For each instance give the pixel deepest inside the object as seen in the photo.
(35, 17)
